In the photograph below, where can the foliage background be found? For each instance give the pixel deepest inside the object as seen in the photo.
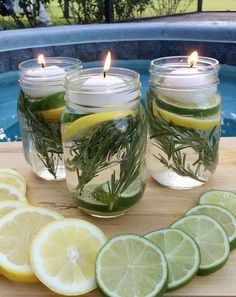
(63, 12)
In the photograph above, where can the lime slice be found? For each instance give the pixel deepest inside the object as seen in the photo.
(131, 191)
(222, 216)
(181, 252)
(79, 127)
(190, 111)
(130, 265)
(211, 239)
(222, 198)
(188, 122)
(53, 101)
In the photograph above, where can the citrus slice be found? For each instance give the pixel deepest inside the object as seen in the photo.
(14, 180)
(226, 199)
(53, 101)
(191, 110)
(17, 230)
(52, 115)
(131, 191)
(182, 255)
(222, 216)
(211, 239)
(131, 265)
(11, 171)
(63, 256)
(8, 206)
(8, 192)
(83, 124)
(188, 122)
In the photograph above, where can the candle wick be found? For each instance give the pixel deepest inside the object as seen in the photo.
(104, 74)
(42, 65)
(191, 66)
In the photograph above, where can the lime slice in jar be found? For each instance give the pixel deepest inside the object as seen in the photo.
(188, 122)
(191, 110)
(50, 107)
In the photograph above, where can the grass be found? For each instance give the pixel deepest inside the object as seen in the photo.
(57, 16)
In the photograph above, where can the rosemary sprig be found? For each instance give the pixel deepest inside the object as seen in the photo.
(120, 142)
(45, 136)
(172, 140)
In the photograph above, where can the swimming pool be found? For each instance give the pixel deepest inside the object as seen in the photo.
(9, 128)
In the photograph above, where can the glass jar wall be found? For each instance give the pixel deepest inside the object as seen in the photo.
(40, 106)
(184, 115)
(104, 140)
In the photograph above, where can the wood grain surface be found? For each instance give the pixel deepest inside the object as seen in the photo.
(157, 209)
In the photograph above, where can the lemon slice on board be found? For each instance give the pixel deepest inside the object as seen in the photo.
(14, 180)
(79, 127)
(8, 192)
(63, 256)
(8, 206)
(17, 230)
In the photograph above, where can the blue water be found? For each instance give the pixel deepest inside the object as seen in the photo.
(9, 128)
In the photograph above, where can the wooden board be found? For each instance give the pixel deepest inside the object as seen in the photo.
(157, 209)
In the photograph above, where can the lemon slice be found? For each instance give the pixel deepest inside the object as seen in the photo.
(11, 171)
(8, 192)
(188, 122)
(52, 115)
(80, 126)
(8, 206)
(63, 256)
(17, 230)
(14, 180)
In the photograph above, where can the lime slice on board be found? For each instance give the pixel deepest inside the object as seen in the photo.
(181, 252)
(185, 121)
(63, 256)
(226, 199)
(211, 239)
(79, 127)
(131, 265)
(222, 216)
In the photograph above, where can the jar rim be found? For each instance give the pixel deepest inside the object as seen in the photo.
(165, 65)
(71, 63)
(75, 79)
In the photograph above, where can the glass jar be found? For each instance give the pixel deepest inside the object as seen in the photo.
(104, 135)
(184, 115)
(40, 106)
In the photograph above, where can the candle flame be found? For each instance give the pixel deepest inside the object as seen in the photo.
(107, 62)
(193, 58)
(41, 60)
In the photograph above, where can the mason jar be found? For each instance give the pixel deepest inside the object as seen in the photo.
(184, 115)
(104, 135)
(40, 106)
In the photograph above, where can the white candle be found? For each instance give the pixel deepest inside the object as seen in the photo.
(39, 82)
(188, 84)
(103, 87)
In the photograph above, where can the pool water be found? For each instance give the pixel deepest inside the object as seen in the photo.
(9, 89)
